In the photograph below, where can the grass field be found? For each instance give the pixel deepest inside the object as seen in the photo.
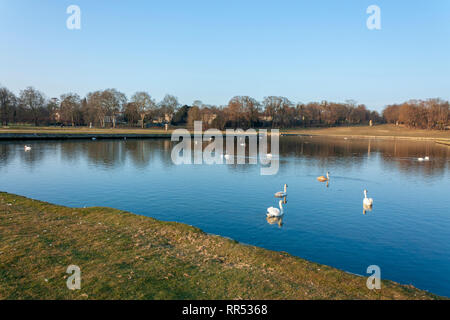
(380, 131)
(126, 256)
(385, 130)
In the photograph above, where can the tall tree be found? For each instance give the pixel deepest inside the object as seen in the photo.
(32, 100)
(168, 105)
(113, 102)
(144, 103)
(70, 108)
(7, 104)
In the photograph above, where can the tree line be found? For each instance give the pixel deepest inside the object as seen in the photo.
(424, 114)
(110, 108)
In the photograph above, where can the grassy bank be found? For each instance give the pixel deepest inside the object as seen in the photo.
(126, 256)
(379, 131)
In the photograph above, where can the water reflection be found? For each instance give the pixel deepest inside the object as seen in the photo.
(350, 153)
(275, 220)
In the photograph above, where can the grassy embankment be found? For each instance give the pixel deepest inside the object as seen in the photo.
(379, 131)
(126, 256)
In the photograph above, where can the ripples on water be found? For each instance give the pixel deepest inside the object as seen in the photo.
(407, 233)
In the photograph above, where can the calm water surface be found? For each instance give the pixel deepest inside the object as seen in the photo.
(407, 233)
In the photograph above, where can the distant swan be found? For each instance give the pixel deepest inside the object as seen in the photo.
(27, 148)
(420, 159)
(323, 179)
(269, 156)
(281, 194)
(94, 138)
(427, 158)
(367, 202)
(275, 212)
(227, 156)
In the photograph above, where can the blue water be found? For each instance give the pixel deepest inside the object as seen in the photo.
(407, 234)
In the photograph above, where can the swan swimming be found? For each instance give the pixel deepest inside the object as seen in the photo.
(323, 179)
(227, 156)
(27, 148)
(275, 212)
(367, 202)
(281, 194)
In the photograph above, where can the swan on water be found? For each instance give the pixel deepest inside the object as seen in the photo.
(27, 148)
(323, 179)
(227, 156)
(94, 138)
(367, 202)
(275, 212)
(281, 194)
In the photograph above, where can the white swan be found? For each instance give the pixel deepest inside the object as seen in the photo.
(281, 194)
(427, 158)
(275, 212)
(94, 138)
(269, 156)
(27, 148)
(368, 202)
(227, 156)
(420, 159)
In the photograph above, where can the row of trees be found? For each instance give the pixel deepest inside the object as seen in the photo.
(107, 108)
(425, 114)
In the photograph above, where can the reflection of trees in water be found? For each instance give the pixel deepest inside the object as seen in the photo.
(107, 153)
(401, 154)
(11, 151)
(6, 153)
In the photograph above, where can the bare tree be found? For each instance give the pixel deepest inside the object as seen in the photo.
(34, 101)
(144, 103)
(113, 102)
(7, 104)
(95, 108)
(168, 105)
(70, 108)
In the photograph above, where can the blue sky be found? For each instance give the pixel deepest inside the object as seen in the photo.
(214, 50)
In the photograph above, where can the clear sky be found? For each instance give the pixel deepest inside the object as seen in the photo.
(213, 50)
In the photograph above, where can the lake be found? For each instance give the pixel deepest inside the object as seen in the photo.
(407, 234)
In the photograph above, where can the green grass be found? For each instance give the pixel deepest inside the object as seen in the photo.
(127, 256)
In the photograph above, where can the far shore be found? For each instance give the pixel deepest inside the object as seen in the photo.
(385, 131)
(126, 256)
